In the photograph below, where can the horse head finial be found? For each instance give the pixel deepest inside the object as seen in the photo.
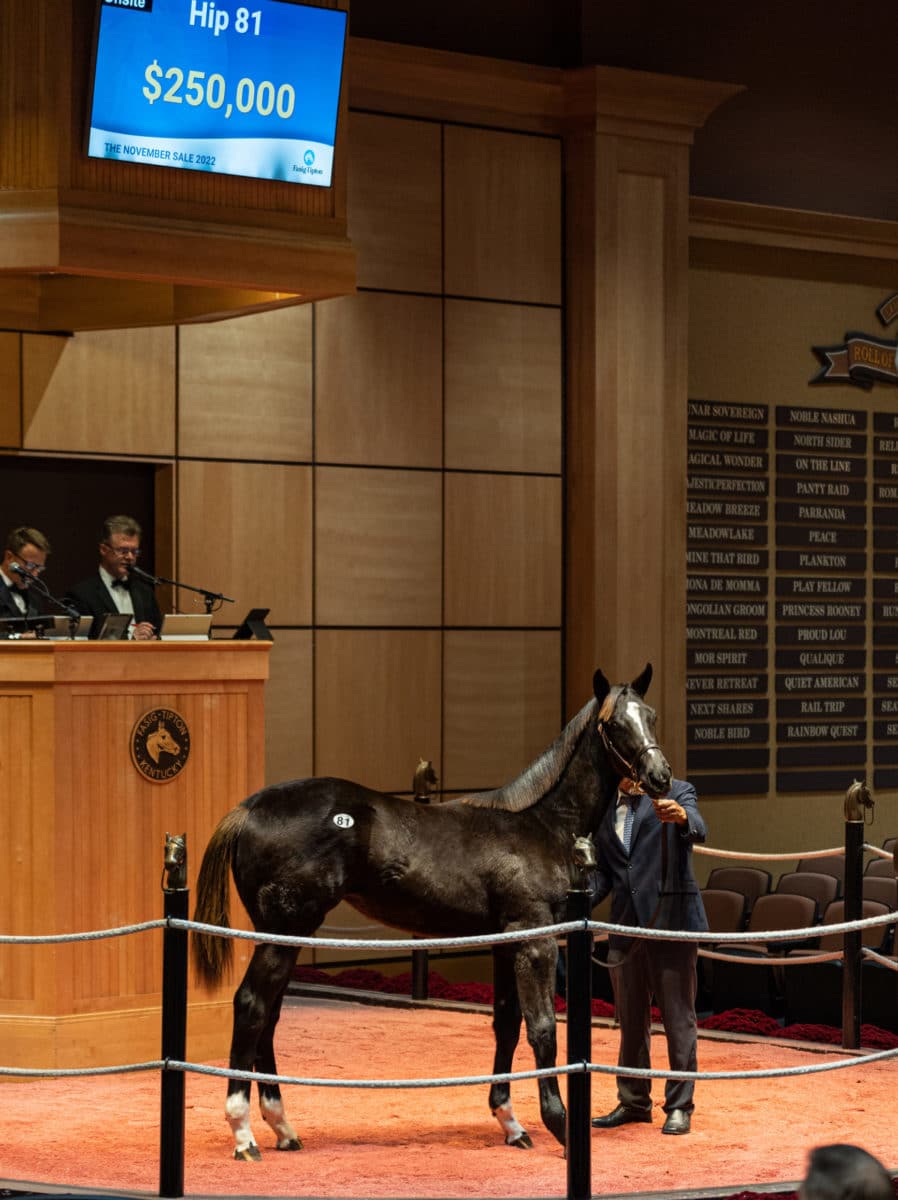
(425, 782)
(583, 857)
(174, 872)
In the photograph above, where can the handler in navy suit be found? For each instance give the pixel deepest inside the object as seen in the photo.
(112, 588)
(644, 859)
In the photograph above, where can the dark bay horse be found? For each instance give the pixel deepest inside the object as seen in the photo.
(479, 864)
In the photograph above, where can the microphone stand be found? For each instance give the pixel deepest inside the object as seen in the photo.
(70, 611)
(209, 598)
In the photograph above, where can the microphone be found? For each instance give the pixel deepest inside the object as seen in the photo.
(17, 570)
(144, 575)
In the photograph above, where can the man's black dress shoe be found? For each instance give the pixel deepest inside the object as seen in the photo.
(678, 1121)
(623, 1116)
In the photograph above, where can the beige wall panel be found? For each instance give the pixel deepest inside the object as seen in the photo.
(288, 707)
(503, 216)
(378, 380)
(395, 202)
(377, 705)
(107, 393)
(750, 337)
(245, 529)
(503, 387)
(503, 550)
(502, 704)
(10, 391)
(378, 547)
(245, 387)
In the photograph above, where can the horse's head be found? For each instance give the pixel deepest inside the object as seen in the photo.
(627, 728)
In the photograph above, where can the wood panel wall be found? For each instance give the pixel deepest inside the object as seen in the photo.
(382, 471)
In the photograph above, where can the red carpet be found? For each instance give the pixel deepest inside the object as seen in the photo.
(103, 1134)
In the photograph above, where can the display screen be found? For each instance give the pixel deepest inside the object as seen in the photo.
(218, 85)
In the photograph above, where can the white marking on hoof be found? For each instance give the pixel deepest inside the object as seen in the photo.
(512, 1128)
(237, 1113)
(273, 1112)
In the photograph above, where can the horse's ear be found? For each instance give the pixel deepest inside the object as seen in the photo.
(640, 685)
(600, 686)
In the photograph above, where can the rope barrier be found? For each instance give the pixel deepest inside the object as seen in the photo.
(891, 963)
(96, 935)
(469, 1080)
(878, 851)
(769, 961)
(714, 853)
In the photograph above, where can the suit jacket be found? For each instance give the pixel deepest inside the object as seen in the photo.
(639, 895)
(91, 598)
(9, 608)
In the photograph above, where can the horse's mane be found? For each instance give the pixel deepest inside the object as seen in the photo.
(542, 774)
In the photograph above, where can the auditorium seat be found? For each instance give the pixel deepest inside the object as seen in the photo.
(752, 882)
(813, 991)
(881, 888)
(883, 867)
(815, 884)
(726, 912)
(832, 864)
(746, 985)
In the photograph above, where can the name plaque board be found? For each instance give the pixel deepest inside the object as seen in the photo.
(727, 588)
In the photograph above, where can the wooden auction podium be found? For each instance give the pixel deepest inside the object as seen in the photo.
(104, 748)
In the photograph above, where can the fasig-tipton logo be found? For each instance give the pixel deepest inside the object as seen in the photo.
(138, 5)
(160, 744)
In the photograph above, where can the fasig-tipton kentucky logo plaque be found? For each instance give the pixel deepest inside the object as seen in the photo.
(160, 744)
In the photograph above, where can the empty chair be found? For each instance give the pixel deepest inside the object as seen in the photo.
(818, 886)
(744, 985)
(725, 909)
(831, 864)
(881, 888)
(880, 866)
(879, 991)
(727, 912)
(813, 991)
(750, 881)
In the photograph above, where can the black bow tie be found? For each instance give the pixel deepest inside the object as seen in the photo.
(122, 583)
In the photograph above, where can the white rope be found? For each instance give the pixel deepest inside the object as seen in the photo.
(767, 857)
(769, 935)
(95, 936)
(539, 1073)
(69, 1072)
(282, 939)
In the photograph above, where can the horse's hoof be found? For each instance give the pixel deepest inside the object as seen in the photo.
(250, 1153)
(292, 1144)
(523, 1142)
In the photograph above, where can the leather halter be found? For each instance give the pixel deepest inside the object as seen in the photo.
(629, 769)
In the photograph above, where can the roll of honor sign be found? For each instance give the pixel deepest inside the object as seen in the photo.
(234, 89)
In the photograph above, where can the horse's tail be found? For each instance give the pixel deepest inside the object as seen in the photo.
(213, 953)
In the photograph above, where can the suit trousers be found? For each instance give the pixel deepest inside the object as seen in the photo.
(665, 970)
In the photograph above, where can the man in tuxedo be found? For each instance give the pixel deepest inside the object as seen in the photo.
(113, 589)
(24, 560)
(644, 859)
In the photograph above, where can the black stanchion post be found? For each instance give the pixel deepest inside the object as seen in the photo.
(174, 1027)
(579, 1048)
(857, 799)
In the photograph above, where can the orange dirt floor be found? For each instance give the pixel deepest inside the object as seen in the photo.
(102, 1133)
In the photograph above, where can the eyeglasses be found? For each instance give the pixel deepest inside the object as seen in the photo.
(33, 568)
(122, 551)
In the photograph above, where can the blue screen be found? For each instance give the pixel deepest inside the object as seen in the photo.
(237, 88)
